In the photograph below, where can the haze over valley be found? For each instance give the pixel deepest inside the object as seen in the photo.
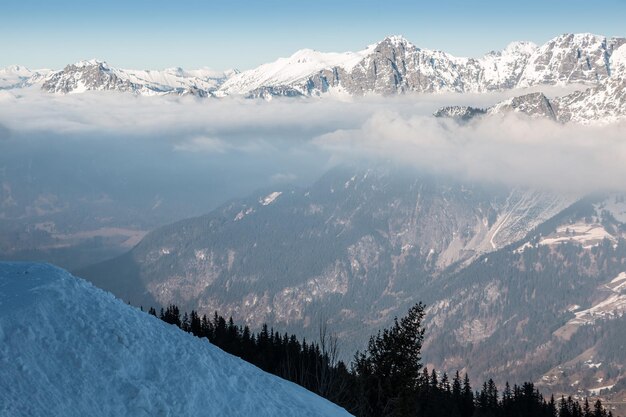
(333, 190)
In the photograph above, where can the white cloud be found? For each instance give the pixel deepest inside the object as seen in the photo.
(510, 149)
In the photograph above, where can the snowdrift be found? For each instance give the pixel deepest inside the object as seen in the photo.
(70, 349)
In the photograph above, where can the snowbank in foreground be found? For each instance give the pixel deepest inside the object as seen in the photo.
(70, 349)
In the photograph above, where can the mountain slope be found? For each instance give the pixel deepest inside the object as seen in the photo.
(546, 308)
(70, 349)
(509, 276)
(354, 246)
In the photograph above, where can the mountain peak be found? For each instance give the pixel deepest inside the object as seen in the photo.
(522, 47)
(178, 71)
(90, 63)
(583, 39)
(16, 69)
(397, 41)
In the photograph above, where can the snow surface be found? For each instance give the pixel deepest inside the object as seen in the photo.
(70, 349)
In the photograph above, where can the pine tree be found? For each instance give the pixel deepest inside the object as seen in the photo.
(598, 409)
(390, 367)
(586, 408)
(456, 387)
(467, 409)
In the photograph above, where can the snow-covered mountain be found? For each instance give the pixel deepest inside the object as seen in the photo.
(98, 75)
(70, 349)
(571, 58)
(16, 76)
(605, 102)
(395, 65)
(602, 103)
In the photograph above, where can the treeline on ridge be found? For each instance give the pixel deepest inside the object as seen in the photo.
(386, 379)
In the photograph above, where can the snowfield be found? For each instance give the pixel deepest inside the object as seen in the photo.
(70, 349)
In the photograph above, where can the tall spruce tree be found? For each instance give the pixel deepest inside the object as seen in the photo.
(389, 369)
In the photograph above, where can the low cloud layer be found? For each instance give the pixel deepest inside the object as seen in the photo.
(511, 149)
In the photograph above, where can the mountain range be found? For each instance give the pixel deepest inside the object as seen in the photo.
(393, 65)
(594, 65)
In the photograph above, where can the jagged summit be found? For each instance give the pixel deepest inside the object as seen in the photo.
(90, 63)
(397, 41)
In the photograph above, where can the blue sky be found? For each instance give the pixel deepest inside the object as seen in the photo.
(243, 34)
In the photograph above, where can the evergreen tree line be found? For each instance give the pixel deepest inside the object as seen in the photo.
(386, 379)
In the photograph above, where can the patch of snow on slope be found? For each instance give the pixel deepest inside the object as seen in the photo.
(596, 391)
(269, 199)
(614, 305)
(588, 235)
(70, 349)
(243, 214)
(522, 211)
(618, 283)
(618, 62)
(615, 206)
(610, 304)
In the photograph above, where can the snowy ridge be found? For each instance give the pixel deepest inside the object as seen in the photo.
(96, 75)
(17, 76)
(70, 349)
(294, 69)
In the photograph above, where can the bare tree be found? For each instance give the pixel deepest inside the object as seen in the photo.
(326, 372)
